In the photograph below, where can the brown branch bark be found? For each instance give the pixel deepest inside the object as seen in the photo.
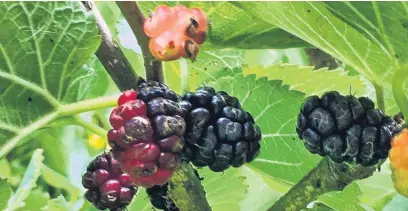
(135, 18)
(111, 56)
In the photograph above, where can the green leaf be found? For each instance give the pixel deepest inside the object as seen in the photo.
(232, 27)
(36, 200)
(183, 75)
(309, 81)
(57, 180)
(348, 199)
(54, 151)
(378, 187)
(43, 47)
(5, 193)
(57, 204)
(384, 23)
(314, 23)
(5, 172)
(224, 191)
(141, 201)
(28, 182)
(275, 108)
(262, 191)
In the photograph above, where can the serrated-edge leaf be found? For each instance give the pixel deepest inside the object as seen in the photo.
(28, 182)
(310, 81)
(47, 66)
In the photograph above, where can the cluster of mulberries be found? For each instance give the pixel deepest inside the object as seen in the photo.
(147, 135)
(108, 186)
(345, 128)
(219, 132)
(176, 32)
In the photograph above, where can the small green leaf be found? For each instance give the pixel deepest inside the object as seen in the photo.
(275, 108)
(232, 27)
(309, 81)
(57, 204)
(28, 182)
(5, 193)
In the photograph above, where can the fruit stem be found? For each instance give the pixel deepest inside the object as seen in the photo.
(325, 177)
(88, 105)
(400, 76)
(90, 126)
(111, 55)
(379, 93)
(135, 18)
(186, 191)
(184, 79)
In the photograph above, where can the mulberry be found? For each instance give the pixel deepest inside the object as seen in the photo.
(219, 132)
(159, 198)
(345, 128)
(108, 187)
(147, 135)
(399, 166)
(176, 32)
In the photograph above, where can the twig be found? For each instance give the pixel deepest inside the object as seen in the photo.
(186, 191)
(111, 56)
(135, 18)
(325, 177)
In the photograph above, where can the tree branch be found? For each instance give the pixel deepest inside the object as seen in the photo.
(135, 18)
(327, 176)
(111, 56)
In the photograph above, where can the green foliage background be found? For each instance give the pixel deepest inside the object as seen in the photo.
(255, 51)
